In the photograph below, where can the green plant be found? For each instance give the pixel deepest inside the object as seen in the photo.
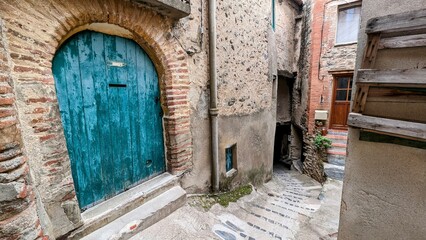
(322, 142)
(207, 201)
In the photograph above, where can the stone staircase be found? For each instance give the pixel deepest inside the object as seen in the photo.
(335, 166)
(130, 212)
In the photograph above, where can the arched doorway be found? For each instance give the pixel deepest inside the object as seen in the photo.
(109, 100)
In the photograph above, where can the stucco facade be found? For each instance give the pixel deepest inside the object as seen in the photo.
(35, 166)
(384, 187)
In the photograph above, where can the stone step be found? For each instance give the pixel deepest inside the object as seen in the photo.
(142, 217)
(106, 212)
(336, 152)
(336, 160)
(334, 171)
(339, 141)
(339, 145)
(337, 149)
(338, 132)
(336, 137)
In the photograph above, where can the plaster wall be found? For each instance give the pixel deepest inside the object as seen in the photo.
(285, 34)
(384, 187)
(247, 55)
(283, 100)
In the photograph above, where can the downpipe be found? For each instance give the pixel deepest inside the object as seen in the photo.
(213, 96)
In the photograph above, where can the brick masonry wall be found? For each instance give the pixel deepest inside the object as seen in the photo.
(326, 56)
(18, 217)
(34, 30)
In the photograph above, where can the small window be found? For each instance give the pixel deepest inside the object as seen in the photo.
(230, 156)
(273, 15)
(343, 88)
(348, 25)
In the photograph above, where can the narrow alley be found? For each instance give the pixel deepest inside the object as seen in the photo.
(290, 206)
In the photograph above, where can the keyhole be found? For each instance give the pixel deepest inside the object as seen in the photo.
(149, 163)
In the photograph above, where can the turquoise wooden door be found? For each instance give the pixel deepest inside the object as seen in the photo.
(108, 96)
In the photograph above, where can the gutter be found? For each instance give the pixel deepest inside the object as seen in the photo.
(213, 96)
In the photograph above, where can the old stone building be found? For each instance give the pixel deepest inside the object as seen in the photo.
(109, 105)
(333, 50)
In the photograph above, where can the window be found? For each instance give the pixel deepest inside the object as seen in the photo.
(343, 88)
(273, 15)
(230, 156)
(348, 24)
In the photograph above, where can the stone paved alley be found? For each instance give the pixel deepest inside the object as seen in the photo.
(290, 206)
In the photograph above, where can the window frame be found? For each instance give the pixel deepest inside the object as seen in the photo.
(273, 17)
(350, 87)
(341, 8)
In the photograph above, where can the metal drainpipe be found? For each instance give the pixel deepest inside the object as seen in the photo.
(213, 95)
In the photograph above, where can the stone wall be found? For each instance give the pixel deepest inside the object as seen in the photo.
(18, 217)
(287, 35)
(300, 89)
(326, 56)
(244, 81)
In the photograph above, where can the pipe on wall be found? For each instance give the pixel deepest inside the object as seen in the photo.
(213, 96)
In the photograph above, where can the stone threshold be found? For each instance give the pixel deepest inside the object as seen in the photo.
(142, 217)
(106, 212)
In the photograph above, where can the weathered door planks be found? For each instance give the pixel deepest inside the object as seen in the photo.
(108, 93)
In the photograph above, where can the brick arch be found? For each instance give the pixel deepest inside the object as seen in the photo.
(35, 29)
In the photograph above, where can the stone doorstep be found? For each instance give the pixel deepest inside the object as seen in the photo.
(106, 212)
(142, 217)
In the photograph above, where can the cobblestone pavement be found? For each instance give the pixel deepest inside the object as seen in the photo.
(290, 206)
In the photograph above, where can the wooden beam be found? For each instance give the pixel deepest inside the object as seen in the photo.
(404, 129)
(407, 41)
(403, 22)
(413, 77)
(397, 95)
(360, 99)
(370, 52)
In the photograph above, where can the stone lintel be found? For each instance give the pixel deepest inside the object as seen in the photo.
(172, 8)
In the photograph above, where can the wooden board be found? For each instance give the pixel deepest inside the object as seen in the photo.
(408, 41)
(404, 23)
(398, 76)
(404, 129)
(397, 94)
